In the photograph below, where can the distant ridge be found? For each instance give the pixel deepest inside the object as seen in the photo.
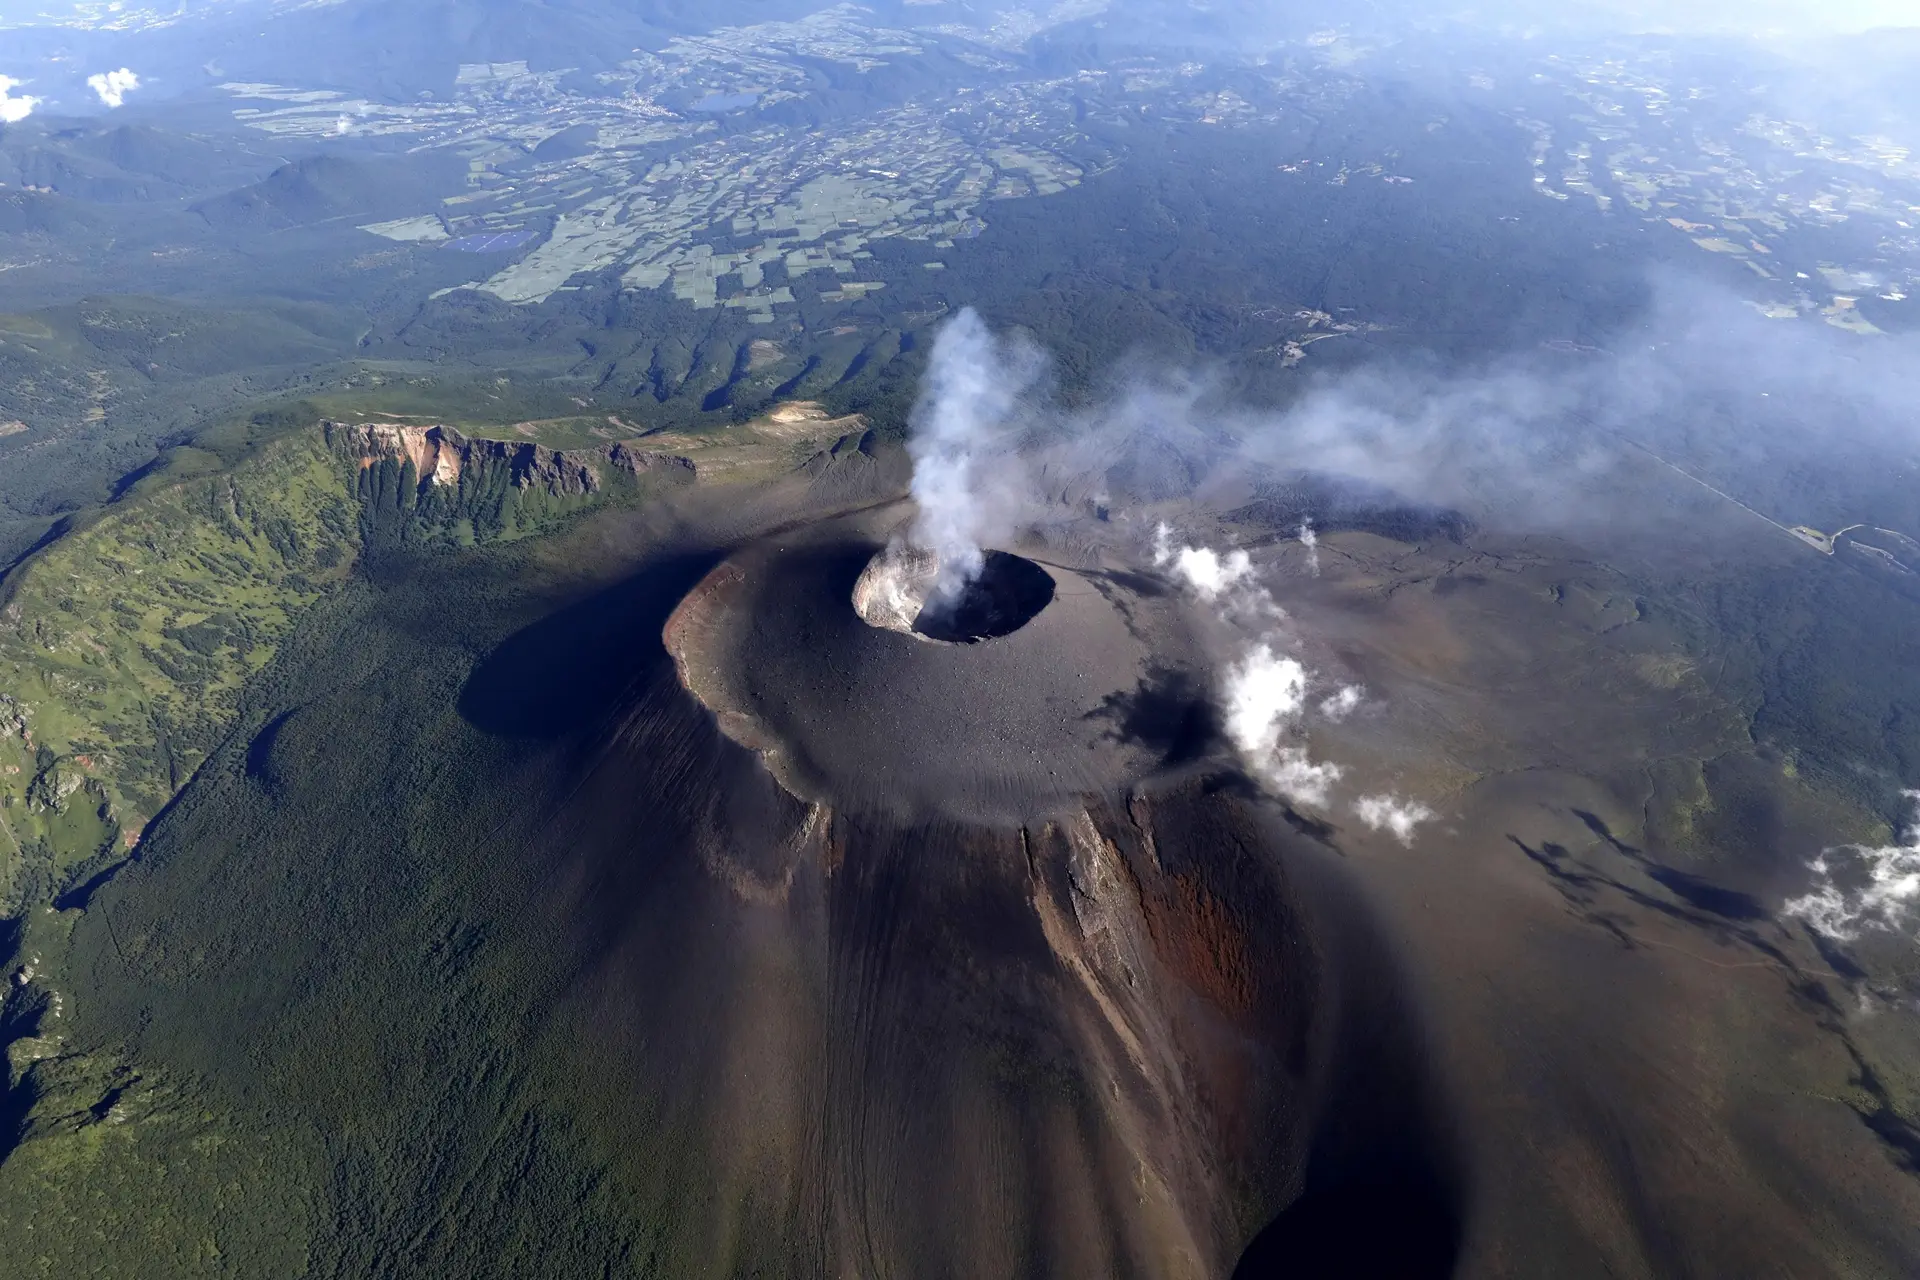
(324, 187)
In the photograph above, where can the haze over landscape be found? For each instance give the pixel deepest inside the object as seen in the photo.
(960, 638)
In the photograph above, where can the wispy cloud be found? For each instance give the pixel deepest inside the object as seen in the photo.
(1532, 441)
(1391, 813)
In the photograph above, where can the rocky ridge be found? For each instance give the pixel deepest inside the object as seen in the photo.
(441, 454)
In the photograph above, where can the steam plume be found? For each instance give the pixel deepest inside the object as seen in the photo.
(1390, 813)
(1263, 694)
(114, 86)
(1343, 702)
(1225, 581)
(966, 413)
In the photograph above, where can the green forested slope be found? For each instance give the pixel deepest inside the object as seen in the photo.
(124, 644)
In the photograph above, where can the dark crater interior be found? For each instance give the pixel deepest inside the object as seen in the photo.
(1009, 593)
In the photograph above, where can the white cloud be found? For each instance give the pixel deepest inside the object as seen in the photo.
(1390, 813)
(1295, 775)
(1857, 889)
(1264, 693)
(1697, 17)
(1343, 703)
(1226, 581)
(13, 110)
(114, 86)
(1209, 573)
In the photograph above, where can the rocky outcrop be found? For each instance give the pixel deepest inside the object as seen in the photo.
(893, 588)
(441, 455)
(624, 457)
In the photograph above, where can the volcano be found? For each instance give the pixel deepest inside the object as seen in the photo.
(699, 925)
(1031, 914)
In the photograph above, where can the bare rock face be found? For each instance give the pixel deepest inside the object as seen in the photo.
(440, 454)
(892, 590)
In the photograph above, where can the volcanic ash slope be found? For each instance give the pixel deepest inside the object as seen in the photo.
(1075, 1013)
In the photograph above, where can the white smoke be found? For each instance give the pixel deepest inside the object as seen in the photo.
(1225, 581)
(963, 424)
(1343, 702)
(971, 482)
(1857, 889)
(1264, 694)
(13, 110)
(1210, 574)
(1390, 813)
(114, 86)
(1311, 541)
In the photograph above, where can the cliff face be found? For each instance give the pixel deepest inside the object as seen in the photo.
(440, 455)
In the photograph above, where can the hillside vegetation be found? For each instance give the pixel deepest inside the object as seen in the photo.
(125, 643)
(123, 647)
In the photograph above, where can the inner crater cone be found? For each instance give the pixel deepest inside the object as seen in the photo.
(898, 591)
(875, 711)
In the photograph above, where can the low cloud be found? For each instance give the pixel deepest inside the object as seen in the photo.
(1210, 574)
(1739, 18)
(114, 86)
(1391, 813)
(1343, 702)
(1264, 695)
(1859, 890)
(1311, 541)
(1744, 17)
(1224, 581)
(14, 108)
